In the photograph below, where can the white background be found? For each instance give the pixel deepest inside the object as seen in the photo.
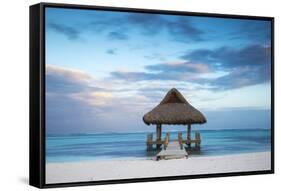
(14, 88)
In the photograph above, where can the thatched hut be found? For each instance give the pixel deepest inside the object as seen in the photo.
(174, 110)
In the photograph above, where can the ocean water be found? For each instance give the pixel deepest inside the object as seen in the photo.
(107, 146)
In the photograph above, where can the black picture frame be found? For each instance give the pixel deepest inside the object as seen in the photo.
(37, 95)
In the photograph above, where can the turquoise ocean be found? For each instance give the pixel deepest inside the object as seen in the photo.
(112, 146)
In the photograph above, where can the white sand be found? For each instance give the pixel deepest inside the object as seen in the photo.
(124, 169)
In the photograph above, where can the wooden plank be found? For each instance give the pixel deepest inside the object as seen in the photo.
(173, 151)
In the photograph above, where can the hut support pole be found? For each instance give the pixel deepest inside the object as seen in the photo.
(189, 135)
(158, 131)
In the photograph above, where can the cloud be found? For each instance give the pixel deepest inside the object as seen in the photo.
(116, 35)
(228, 58)
(60, 80)
(74, 101)
(161, 75)
(184, 30)
(177, 70)
(247, 66)
(133, 76)
(70, 32)
(64, 112)
(241, 77)
(94, 98)
(111, 51)
(178, 28)
(69, 74)
(180, 67)
(154, 56)
(149, 24)
(119, 27)
(259, 31)
(66, 115)
(113, 27)
(78, 103)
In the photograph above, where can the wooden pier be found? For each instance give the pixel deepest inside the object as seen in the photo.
(159, 142)
(173, 151)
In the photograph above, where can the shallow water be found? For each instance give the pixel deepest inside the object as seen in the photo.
(81, 147)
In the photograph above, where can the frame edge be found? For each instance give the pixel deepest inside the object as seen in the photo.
(35, 150)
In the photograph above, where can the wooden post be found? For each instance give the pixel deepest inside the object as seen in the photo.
(167, 139)
(199, 141)
(196, 140)
(180, 140)
(189, 135)
(149, 141)
(158, 139)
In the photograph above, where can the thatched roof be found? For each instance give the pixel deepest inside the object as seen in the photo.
(174, 110)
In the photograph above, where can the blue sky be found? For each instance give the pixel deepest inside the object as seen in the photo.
(105, 70)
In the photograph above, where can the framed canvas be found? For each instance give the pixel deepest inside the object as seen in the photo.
(123, 95)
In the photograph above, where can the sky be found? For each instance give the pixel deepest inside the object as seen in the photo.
(105, 70)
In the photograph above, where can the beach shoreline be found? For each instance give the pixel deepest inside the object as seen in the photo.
(83, 171)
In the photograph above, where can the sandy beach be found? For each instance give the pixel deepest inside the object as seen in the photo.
(141, 168)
